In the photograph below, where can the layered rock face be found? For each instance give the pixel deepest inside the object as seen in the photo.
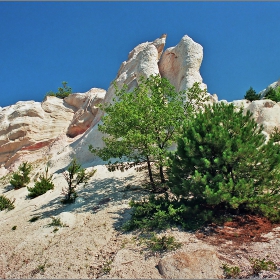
(28, 127)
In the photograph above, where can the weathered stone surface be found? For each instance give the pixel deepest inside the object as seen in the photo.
(199, 264)
(266, 112)
(31, 125)
(86, 109)
(181, 64)
(29, 129)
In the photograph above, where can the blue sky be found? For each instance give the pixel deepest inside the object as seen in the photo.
(84, 43)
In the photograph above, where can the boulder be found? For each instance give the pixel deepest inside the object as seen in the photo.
(198, 264)
(265, 112)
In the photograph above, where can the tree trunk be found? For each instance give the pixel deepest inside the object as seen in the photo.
(151, 174)
(162, 179)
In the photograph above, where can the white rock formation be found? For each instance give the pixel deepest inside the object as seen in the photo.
(266, 112)
(32, 130)
(181, 64)
(144, 60)
(86, 109)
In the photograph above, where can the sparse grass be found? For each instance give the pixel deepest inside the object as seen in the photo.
(56, 222)
(107, 267)
(231, 271)
(6, 203)
(258, 265)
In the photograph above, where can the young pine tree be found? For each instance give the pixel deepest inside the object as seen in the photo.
(223, 161)
(21, 178)
(74, 176)
(251, 95)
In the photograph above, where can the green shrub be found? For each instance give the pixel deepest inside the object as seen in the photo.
(258, 265)
(275, 135)
(63, 91)
(231, 271)
(74, 176)
(21, 178)
(252, 95)
(56, 222)
(162, 212)
(223, 162)
(163, 243)
(42, 186)
(14, 227)
(273, 94)
(6, 203)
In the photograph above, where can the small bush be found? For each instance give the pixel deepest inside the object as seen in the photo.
(21, 178)
(162, 212)
(63, 91)
(42, 186)
(273, 94)
(164, 243)
(252, 95)
(275, 135)
(6, 203)
(231, 271)
(14, 227)
(56, 222)
(259, 265)
(74, 176)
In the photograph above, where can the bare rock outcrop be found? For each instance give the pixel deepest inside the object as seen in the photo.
(85, 103)
(29, 125)
(29, 129)
(181, 64)
(266, 112)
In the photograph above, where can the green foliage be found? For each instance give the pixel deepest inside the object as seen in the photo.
(63, 91)
(259, 265)
(231, 271)
(56, 222)
(14, 227)
(21, 178)
(275, 135)
(107, 267)
(143, 124)
(252, 95)
(6, 203)
(222, 161)
(42, 186)
(273, 94)
(163, 243)
(161, 212)
(74, 176)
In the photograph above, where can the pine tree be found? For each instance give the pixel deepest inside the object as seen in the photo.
(222, 160)
(21, 178)
(252, 95)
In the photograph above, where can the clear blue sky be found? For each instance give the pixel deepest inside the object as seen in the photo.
(84, 43)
